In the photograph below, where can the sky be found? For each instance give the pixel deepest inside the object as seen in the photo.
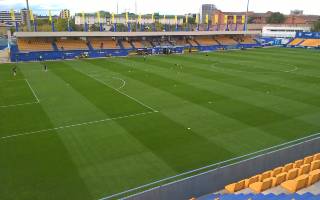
(165, 6)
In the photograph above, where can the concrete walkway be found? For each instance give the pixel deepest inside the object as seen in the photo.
(4, 56)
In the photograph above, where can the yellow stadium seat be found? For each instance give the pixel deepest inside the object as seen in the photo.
(308, 160)
(71, 44)
(296, 41)
(288, 167)
(280, 178)
(296, 184)
(104, 43)
(298, 163)
(304, 169)
(311, 43)
(36, 44)
(206, 41)
(265, 175)
(292, 174)
(315, 165)
(276, 171)
(235, 187)
(316, 157)
(314, 176)
(251, 180)
(261, 186)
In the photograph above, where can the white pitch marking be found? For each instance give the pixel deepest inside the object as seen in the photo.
(74, 125)
(23, 104)
(292, 70)
(20, 104)
(34, 94)
(123, 82)
(134, 99)
(12, 80)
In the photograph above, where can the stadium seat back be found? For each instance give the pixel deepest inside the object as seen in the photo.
(308, 160)
(240, 185)
(280, 178)
(292, 174)
(304, 169)
(276, 171)
(265, 175)
(288, 167)
(298, 163)
(266, 184)
(314, 176)
(302, 181)
(316, 157)
(251, 180)
(315, 165)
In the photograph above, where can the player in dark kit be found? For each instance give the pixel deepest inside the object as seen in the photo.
(45, 67)
(14, 70)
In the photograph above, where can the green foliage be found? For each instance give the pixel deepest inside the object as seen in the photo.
(62, 24)
(276, 18)
(316, 26)
(250, 20)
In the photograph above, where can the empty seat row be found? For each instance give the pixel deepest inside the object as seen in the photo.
(104, 44)
(311, 43)
(296, 41)
(26, 45)
(302, 181)
(226, 41)
(278, 175)
(70, 44)
(247, 40)
(138, 44)
(206, 41)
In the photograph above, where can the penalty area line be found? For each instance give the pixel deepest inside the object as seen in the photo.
(34, 94)
(74, 125)
(119, 91)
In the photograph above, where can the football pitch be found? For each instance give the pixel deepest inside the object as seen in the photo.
(86, 129)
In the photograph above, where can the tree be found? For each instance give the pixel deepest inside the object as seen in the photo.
(316, 26)
(276, 18)
(95, 27)
(251, 20)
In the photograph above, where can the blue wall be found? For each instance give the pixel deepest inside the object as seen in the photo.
(15, 55)
(308, 35)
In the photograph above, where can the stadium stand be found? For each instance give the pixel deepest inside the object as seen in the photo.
(226, 40)
(71, 44)
(127, 45)
(180, 42)
(284, 182)
(138, 44)
(104, 43)
(247, 40)
(206, 41)
(292, 177)
(27, 45)
(311, 43)
(296, 41)
(193, 43)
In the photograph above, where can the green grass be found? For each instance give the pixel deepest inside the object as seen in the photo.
(211, 108)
